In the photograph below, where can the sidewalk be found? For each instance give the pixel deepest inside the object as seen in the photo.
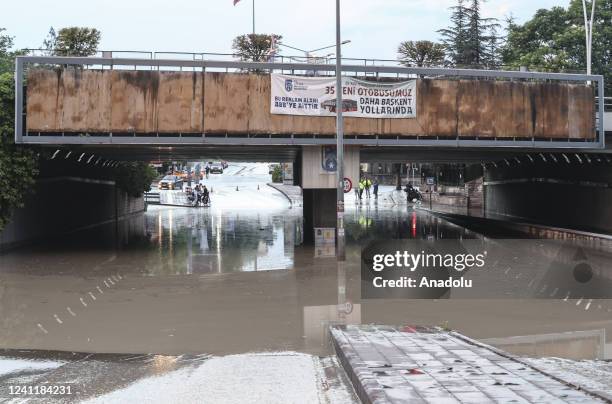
(425, 365)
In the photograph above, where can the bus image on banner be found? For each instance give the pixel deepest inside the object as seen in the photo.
(347, 106)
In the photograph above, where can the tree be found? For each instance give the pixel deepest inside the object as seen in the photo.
(454, 37)
(18, 165)
(134, 178)
(554, 39)
(471, 40)
(73, 41)
(256, 47)
(420, 53)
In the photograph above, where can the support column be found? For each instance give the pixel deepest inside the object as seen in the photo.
(319, 185)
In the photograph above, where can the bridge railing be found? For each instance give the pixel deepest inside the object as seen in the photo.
(232, 57)
(152, 62)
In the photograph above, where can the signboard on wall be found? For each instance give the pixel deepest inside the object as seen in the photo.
(316, 96)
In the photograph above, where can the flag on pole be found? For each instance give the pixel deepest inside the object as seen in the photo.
(236, 2)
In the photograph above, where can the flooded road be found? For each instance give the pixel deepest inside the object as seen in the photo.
(225, 280)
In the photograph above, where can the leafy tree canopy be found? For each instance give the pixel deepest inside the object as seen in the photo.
(73, 41)
(421, 53)
(256, 47)
(554, 39)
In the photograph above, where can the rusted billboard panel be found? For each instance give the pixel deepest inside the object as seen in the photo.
(150, 102)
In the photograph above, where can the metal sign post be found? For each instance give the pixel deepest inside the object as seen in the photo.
(340, 254)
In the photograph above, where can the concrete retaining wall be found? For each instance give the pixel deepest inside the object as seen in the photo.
(65, 204)
(95, 101)
(576, 196)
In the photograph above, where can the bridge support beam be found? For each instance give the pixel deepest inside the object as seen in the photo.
(318, 180)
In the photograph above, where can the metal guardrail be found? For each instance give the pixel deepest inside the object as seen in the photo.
(152, 197)
(220, 56)
(310, 69)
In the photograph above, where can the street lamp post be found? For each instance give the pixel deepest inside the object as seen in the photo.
(340, 237)
(309, 52)
(588, 31)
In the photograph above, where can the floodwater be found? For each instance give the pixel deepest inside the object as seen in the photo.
(226, 280)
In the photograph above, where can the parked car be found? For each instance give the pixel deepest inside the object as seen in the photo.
(171, 182)
(224, 164)
(216, 168)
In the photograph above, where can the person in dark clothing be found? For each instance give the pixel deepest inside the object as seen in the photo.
(375, 188)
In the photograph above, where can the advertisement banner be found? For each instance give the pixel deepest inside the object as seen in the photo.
(316, 96)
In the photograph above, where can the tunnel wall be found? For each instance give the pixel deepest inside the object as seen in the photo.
(146, 102)
(576, 196)
(66, 204)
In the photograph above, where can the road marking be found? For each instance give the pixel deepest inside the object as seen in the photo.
(554, 292)
(99, 290)
(579, 302)
(69, 310)
(588, 304)
(92, 296)
(59, 320)
(106, 284)
(83, 302)
(42, 328)
(111, 281)
(566, 297)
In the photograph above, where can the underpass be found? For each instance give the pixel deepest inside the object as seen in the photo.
(242, 276)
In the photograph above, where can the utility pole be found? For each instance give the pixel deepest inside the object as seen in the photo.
(340, 236)
(253, 19)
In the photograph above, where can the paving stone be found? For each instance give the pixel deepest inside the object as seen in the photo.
(424, 365)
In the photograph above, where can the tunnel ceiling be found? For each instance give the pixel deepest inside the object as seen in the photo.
(284, 153)
(186, 152)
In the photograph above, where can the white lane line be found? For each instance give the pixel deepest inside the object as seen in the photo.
(59, 320)
(83, 302)
(92, 296)
(566, 296)
(588, 304)
(99, 290)
(106, 284)
(579, 302)
(531, 283)
(42, 328)
(111, 281)
(554, 292)
(69, 310)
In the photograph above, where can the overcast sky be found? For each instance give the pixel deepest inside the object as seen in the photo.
(374, 26)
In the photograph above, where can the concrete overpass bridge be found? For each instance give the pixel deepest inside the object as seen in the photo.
(116, 109)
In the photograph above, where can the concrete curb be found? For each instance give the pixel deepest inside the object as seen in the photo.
(295, 203)
(519, 225)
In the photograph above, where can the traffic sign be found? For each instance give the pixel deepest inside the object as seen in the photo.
(348, 185)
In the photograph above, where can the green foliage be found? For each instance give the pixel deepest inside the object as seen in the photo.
(420, 53)
(18, 170)
(554, 40)
(73, 41)
(18, 165)
(256, 47)
(277, 174)
(471, 40)
(135, 178)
